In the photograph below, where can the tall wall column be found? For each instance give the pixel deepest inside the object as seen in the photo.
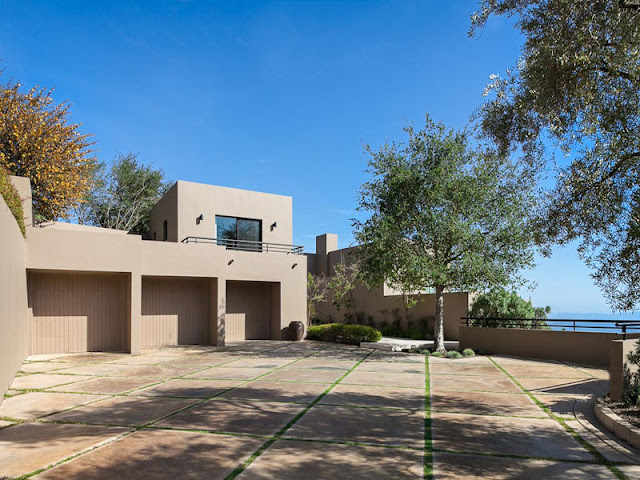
(220, 310)
(135, 312)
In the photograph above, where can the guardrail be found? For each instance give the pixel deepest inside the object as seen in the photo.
(577, 324)
(248, 245)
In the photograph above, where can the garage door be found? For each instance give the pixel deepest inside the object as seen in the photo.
(175, 311)
(78, 312)
(248, 314)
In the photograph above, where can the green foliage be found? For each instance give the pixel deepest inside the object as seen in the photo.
(631, 394)
(576, 85)
(12, 198)
(341, 333)
(502, 303)
(426, 353)
(467, 352)
(126, 192)
(453, 354)
(316, 292)
(39, 141)
(437, 354)
(342, 285)
(444, 215)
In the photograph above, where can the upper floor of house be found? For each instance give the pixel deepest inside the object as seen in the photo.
(238, 219)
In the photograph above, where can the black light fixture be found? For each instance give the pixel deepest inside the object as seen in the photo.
(274, 225)
(230, 262)
(294, 266)
(199, 219)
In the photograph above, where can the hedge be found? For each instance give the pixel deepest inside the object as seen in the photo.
(343, 333)
(12, 198)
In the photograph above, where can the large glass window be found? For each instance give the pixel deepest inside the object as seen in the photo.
(239, 233)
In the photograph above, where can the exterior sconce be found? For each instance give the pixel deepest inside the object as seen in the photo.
(199, 219)
(274, 225)
(230, 262)
(294, 266)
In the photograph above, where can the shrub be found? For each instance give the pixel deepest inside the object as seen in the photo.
(12, 198)
(631, 395)
(426, 352)
(436, 354)
(342, 333)
(467, 352)
(453, 354)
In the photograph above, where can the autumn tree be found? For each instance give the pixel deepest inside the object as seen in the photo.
(126, 191)
(444, 215)
(570, 104)
(39, 141)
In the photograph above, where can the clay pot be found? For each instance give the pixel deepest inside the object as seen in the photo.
(296, 331)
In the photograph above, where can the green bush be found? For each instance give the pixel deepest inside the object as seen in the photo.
(467, 352)
(631, 394)
(453, 354)
(12, 198)
(341, 333)
(436, 354)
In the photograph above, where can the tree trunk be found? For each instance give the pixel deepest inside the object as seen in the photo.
(439, 324)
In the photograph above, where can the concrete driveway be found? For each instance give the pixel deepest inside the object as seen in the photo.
(277, 410)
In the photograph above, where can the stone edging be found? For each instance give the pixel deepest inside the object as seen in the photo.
(615, 424)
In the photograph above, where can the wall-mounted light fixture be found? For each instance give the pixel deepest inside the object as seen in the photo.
(274, 225)
(294, 266)
(230, 262)
(200, 219)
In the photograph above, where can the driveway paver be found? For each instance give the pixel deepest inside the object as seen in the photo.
(159, 454)
(30, 446)
(262, 409)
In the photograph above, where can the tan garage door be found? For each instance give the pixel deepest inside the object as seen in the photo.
(248, 315)
(78, 312)
(175, 311)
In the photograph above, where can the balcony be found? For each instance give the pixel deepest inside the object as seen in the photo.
(248, 245)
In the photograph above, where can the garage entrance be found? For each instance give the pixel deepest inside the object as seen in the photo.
(253, 311)
(78, 312)
(175, 311)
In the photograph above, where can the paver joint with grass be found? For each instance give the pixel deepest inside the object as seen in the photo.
(599, 458)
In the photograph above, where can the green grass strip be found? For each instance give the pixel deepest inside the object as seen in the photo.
(241, 468)
(584, 443)
(428, 439)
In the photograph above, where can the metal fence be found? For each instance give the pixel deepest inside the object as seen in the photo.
(248, 245)
(620, 327)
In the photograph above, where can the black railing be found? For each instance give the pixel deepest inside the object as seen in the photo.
(620, 327)
(248, 245)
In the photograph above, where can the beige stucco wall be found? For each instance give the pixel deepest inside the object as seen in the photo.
(589, 348)
(14, 319)
(383, 309)
(185, 201)
(619, 349)
(378, 304)
(60, 249)
(165, 209)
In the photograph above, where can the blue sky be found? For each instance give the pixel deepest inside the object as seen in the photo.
(270, 96)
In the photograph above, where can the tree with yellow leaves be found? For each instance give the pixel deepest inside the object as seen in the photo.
(39, 141)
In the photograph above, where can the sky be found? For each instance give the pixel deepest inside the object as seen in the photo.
(279, 97)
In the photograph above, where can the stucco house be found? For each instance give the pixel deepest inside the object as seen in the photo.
(220, 266)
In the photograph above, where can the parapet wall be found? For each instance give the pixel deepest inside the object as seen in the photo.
(14, 321)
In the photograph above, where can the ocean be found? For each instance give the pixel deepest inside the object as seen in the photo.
(608, 321)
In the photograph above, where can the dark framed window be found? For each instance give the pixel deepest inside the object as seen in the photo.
(165, 231)
(239, 233)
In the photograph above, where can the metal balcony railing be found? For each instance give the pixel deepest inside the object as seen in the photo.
(620, 327)
(248, 245)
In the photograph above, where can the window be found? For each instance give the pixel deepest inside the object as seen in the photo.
(164, 231)
(239, 233)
